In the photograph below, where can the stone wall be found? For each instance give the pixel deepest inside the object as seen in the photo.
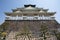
(33, 26)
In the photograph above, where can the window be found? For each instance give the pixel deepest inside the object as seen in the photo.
(35, 14)
(24, 14)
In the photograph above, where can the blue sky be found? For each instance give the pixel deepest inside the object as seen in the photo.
(7, 5)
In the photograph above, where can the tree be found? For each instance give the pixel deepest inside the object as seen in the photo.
(0, 32)
(56, 33)
(4, 26)
(3, 29)
(43, 30)
(24, 32)
(4, 35)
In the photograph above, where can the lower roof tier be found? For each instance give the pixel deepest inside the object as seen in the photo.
(30, 13)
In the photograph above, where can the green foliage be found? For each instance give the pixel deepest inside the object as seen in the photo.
(24, 32)
(4, 26)
(58, 36)
(43, 30)
(56, 33)
(3, 29)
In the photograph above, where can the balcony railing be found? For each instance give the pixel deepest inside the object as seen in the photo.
(30, 18)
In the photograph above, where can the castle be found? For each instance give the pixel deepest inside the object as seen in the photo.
(28, 20)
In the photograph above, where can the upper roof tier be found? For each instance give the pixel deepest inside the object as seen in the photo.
(30, 9)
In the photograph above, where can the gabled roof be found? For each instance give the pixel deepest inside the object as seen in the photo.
(30, 9)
